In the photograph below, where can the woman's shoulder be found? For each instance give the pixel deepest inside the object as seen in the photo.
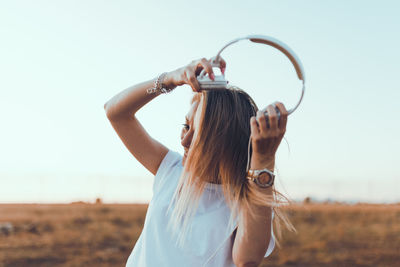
(170, 169)
(171, 159)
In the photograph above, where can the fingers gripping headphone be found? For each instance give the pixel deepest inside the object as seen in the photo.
(221, 83)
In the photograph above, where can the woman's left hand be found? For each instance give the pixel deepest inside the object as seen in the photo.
(265, 140)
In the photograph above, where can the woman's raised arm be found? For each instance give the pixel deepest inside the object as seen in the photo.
(254, 229)
(121, 110)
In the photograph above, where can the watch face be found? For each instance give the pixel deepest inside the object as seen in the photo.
(264, 178)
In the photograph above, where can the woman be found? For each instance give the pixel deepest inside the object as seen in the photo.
(206, 209)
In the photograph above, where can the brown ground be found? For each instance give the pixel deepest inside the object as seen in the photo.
(104, 235)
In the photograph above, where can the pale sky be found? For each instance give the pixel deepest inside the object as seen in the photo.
(60, 61)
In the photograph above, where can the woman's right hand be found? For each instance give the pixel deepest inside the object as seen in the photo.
(188, 74)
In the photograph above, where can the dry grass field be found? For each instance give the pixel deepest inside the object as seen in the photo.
(103, 235)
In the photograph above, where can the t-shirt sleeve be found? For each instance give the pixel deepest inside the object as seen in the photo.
(271, 245)
(170, 162)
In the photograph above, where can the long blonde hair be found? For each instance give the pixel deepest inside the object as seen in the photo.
(218, 154)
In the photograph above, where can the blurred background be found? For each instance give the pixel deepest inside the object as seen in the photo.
(60, 61)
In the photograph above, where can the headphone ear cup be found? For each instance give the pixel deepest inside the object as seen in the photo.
(206, 83)
(278, 114)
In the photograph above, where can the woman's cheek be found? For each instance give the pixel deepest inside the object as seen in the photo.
(182, 134)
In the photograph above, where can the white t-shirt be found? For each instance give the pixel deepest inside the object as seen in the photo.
(208, 244)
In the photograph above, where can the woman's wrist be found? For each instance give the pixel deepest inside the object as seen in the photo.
(262, 163)
(161, 84)
(168, 81)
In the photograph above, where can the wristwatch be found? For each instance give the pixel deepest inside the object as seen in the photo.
(263, 178)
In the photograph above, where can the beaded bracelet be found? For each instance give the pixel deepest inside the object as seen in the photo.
(159, 86)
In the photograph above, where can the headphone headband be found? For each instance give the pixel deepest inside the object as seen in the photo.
(268, 40)
(221, 83)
